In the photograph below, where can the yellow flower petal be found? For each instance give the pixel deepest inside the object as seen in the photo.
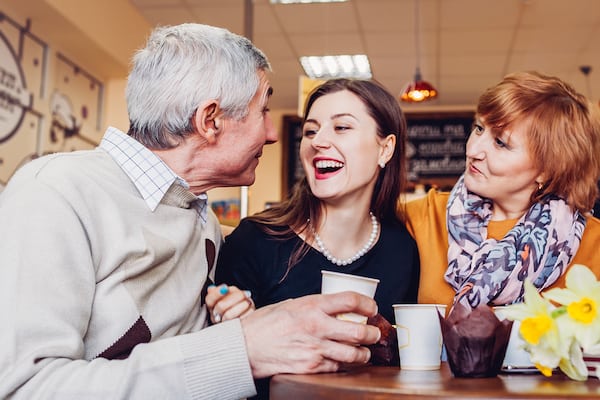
(584, 310)
(533, 328)
(544, 370)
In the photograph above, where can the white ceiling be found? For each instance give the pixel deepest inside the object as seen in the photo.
(466, 45)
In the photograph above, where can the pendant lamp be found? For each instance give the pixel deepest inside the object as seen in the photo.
(585, 70)
(418, 90)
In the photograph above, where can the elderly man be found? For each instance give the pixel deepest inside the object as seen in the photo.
(105, 255)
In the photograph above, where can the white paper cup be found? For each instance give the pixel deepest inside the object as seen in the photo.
(335, 282)
(516, 357)
(419, 335)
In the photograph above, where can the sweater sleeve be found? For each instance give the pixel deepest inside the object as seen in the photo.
(209, 364)
(47, 289)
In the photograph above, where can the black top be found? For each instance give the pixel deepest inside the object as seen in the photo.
(252, 260)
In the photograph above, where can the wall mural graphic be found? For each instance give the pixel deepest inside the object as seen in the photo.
(74, 108)
(14, 97)
(22, 58)
(31, 122)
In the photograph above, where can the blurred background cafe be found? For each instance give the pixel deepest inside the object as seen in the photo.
(63, 68)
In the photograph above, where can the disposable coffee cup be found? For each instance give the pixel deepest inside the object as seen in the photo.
(335, 282)
(419, 335)
(517, 359)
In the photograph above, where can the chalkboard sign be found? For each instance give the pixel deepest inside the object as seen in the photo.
(436, 145)
(292, 170)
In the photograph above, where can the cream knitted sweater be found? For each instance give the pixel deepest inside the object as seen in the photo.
(100, 297)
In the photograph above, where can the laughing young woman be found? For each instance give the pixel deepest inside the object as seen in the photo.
(522, 207)
(341, 216)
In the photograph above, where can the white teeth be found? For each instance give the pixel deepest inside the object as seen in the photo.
(328, 164)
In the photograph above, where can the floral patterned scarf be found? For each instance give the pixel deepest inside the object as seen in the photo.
(488, 271)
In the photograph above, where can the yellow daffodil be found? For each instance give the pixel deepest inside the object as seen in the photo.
(583, 311)
(533, 328)
(581, 298)
(561, 324)
(538, 329)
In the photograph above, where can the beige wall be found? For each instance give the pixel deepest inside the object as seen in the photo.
(115, 108)
(267, 187)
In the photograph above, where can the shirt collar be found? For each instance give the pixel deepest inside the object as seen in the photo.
(150, 175)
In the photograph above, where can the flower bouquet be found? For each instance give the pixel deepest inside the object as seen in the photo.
(561, 325)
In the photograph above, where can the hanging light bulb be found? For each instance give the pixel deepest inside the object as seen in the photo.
(418, 90)
(585, 70)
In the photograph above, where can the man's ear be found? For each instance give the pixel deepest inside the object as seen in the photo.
(208, 120)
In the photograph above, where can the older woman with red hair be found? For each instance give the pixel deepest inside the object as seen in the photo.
(521, 210)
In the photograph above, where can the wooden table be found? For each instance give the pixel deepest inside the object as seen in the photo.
(379, 383)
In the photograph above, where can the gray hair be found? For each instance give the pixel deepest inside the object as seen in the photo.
(182, 66)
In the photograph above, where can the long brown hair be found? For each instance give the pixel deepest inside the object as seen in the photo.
(289, 217)
(563, 132)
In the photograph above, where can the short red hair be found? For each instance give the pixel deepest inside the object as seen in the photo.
(563, 133)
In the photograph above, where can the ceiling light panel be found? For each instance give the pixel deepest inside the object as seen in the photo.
(305, 1)
(341, 66)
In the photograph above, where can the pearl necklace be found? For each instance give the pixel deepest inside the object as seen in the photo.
(363, 250)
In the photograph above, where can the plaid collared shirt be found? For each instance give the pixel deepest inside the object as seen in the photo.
(150, 175)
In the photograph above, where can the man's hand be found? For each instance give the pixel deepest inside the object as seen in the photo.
(303, 335)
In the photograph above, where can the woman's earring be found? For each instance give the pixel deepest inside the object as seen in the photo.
(382, 164)
(540, 185)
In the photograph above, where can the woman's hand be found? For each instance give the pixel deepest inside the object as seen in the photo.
(228, 302)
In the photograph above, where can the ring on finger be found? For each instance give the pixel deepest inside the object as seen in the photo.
(217, 317)
(248, 296)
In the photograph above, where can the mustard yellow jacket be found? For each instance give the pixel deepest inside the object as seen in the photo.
(426, 222)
